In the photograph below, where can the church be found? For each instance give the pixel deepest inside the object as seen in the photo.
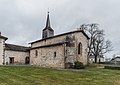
(56, 51)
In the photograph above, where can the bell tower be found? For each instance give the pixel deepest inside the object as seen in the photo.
(47, 31)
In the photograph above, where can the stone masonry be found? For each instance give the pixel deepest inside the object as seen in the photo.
(66, 51)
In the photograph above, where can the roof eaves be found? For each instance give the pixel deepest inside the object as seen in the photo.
(3, 37)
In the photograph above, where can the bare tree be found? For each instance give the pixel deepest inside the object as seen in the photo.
(97, 43)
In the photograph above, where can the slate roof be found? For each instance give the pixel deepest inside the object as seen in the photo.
(61, 35)
(3, 37)
(115, 58)
(48, 24)
(94, 56)
(16, 48)
(49, 28)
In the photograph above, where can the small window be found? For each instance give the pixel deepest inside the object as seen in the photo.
(80, 48)
(54, 54)
(36, 53)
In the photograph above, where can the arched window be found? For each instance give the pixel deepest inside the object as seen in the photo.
(36, 53)
(80, 48)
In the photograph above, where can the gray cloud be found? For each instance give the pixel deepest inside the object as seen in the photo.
(22, 21)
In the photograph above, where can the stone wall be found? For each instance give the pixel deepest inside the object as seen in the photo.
(19, 57)
(48, 57)
(67, 53)
(80, 38)
(2, 46)
(49, 41)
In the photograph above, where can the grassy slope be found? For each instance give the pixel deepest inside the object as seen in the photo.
(43, 76)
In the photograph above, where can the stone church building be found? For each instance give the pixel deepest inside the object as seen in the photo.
(57, 51)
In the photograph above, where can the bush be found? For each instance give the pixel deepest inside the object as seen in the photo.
(79, 65)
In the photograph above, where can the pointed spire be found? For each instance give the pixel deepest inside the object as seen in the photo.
(48, 31)
(48, 21)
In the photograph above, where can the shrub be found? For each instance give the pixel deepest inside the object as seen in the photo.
(79, 65)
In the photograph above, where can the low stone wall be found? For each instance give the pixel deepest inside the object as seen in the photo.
(112, 67)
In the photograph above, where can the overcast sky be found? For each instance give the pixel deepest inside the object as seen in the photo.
(22, 21)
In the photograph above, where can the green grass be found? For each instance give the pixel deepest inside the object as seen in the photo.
(15, 75)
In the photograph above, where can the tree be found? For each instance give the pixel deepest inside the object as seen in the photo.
(98, 46)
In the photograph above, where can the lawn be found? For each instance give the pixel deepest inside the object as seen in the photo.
(28, 75)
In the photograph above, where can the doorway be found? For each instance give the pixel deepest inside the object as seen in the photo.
(27, 60)
(11, 60)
